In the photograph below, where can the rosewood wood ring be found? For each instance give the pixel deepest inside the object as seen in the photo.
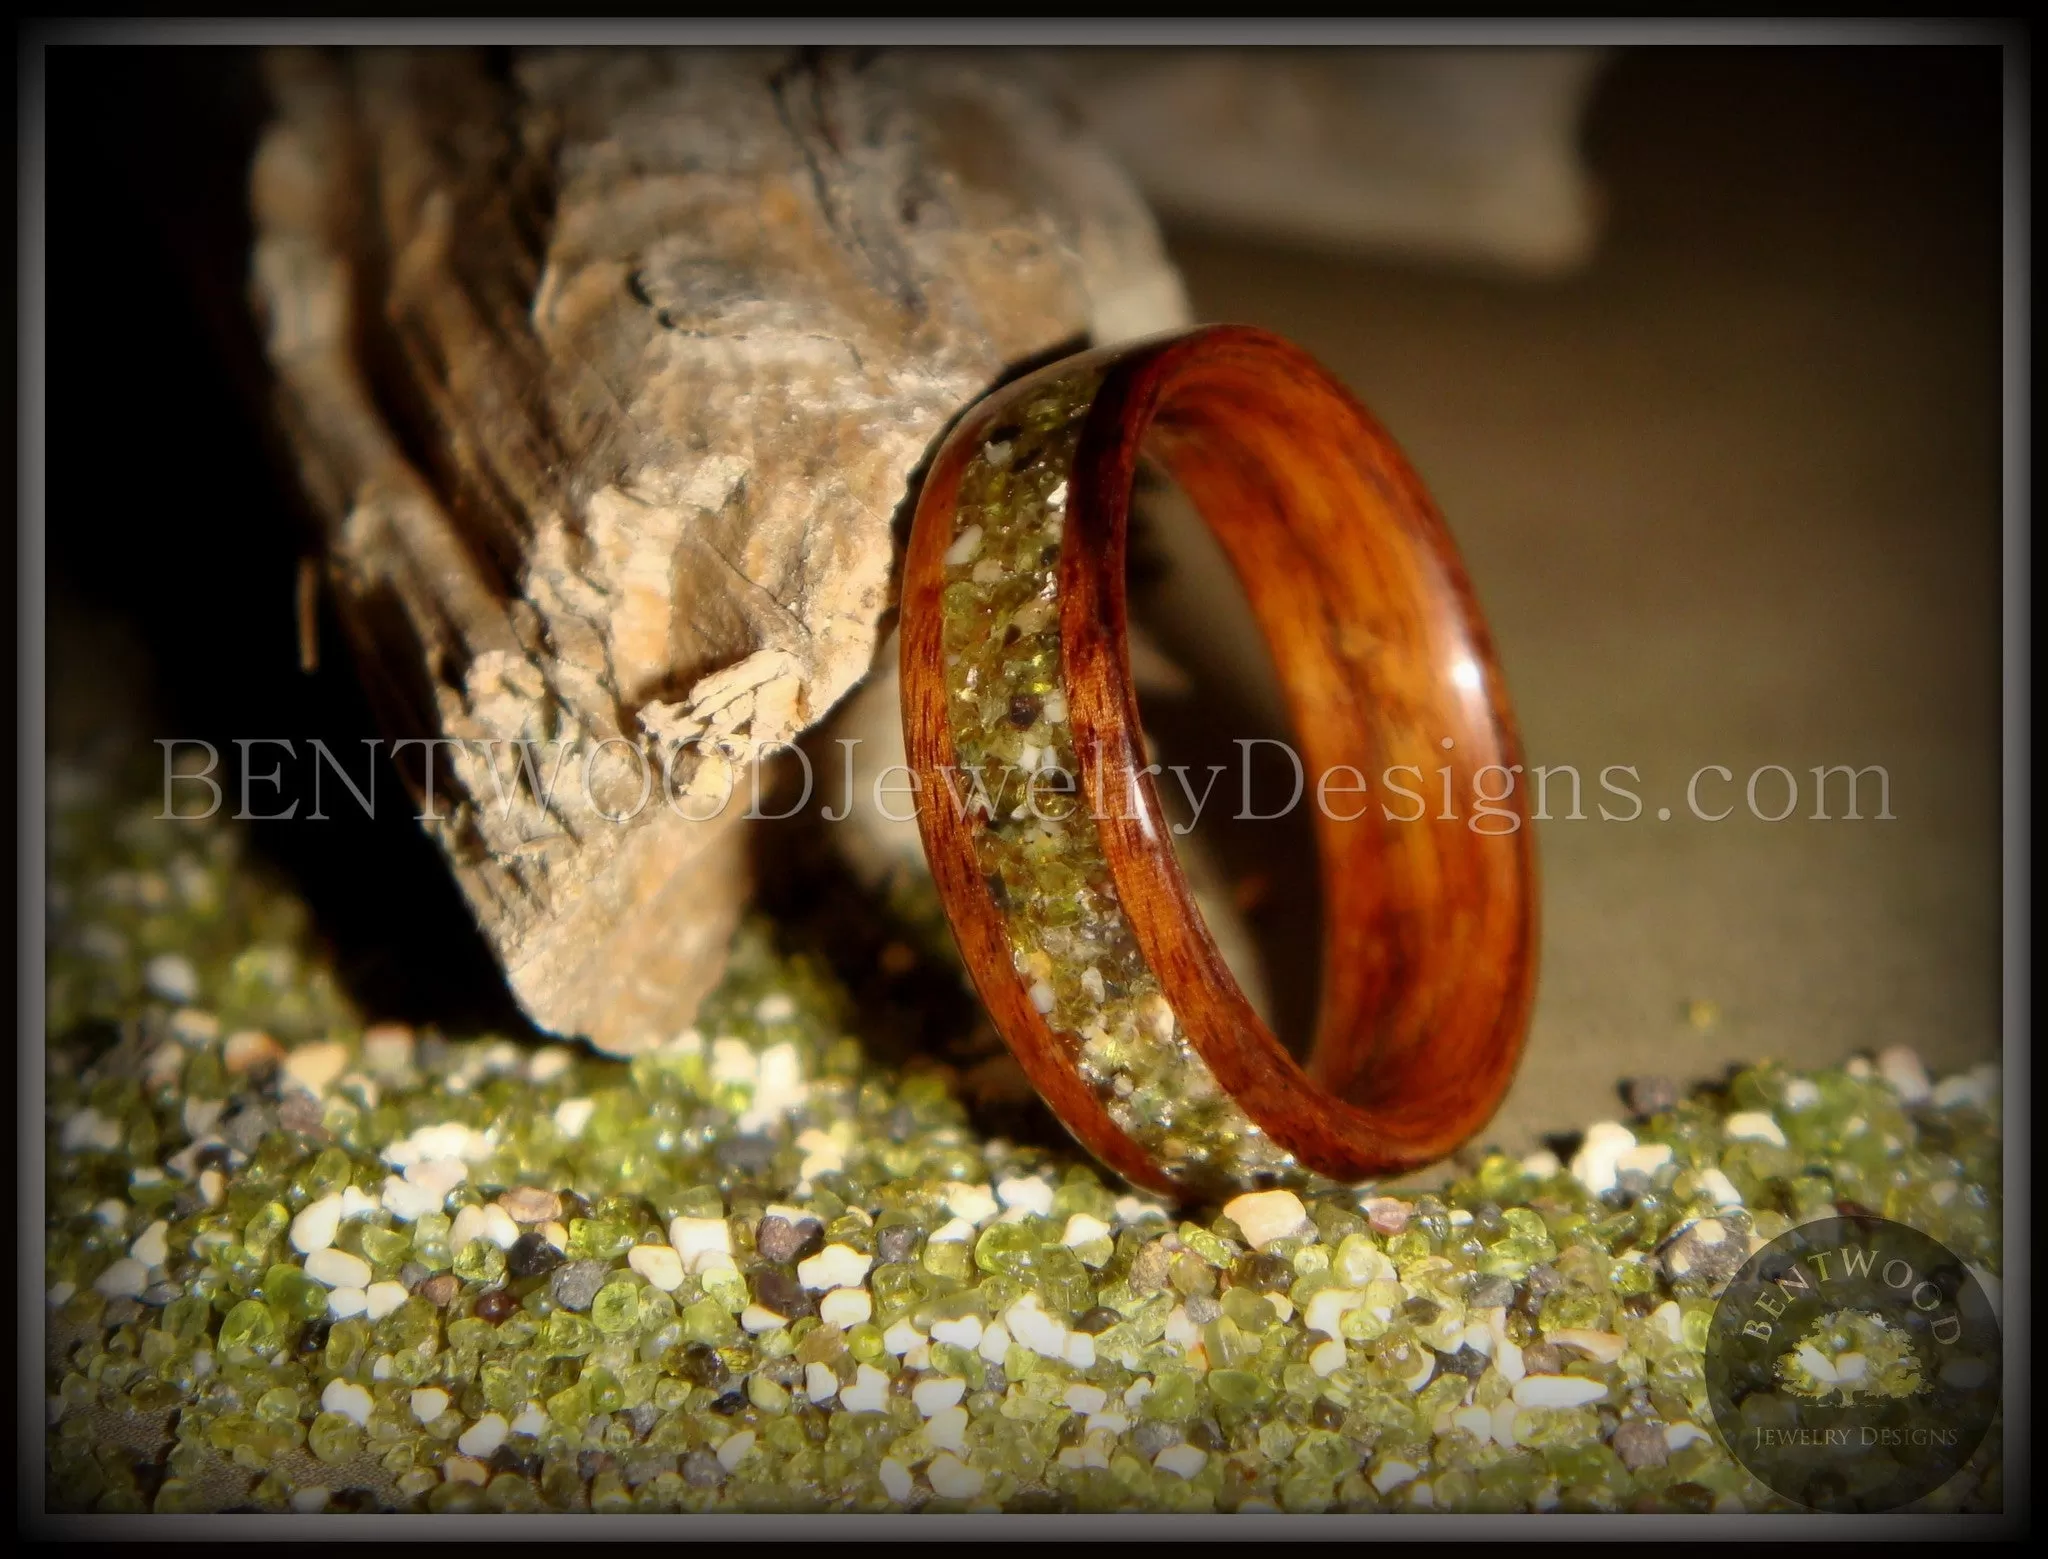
(1042, 823)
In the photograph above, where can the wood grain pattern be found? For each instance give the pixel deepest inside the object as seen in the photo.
(1430, 924)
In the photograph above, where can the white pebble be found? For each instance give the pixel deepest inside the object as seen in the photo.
(1475, 1421)
(549, 1064)
(338, 1269)
(1036, 1330)
(733, 1061)
(869, 1392)
(465, 1469)
(734, 1448)
(974, 1203)
(1425, 1367)
(1557, 1391)
(1081, 1229)
(112, 1211)
(429, 1403)
(1901, 1067)
(172, 977)
(1266, 1216)
(348, 1399)
(1080, 1350)
(946, 1429)
(406, 1201)
(756, 1319)
(995, 1342)
(951, 1478)
(1504, 1424)
(484, 1436)
(845, 1307)
(1326, 1309)
(1963, 1088)
(1645, 1158)
(1753, 1126)
(153, 1247)
(123, 1279)
(383, 1298)
(61, 1291)
(896, 1481)
(572, 1115)
(1802, 1093)
(1507, 1356)
(387, 1047)
(316, 1225)
(383, 1367)
(201, 1116)
(357, 1204)
(1605, 1347)
(1182, 1460)
(1542, 1164)
(1718, 1188)
(1678, 1436)
(1328, 1358)
(1390, 1475)
(1597, 1164)
(499, 1228)
(1671, 1319)
(88, 1128)
(836, 1266)
(314, 1067)
(901, 1336)
(347, 1301)
(778, 1008)
(1029, 1192)
(468, 1225)
(437, 1175)
(1042, 996)
(963, 1332)
(1085, 1399)
(942, 1391)
(964, 547)
(951, 1230)
(309, 1502)
(532, 1420)
(213, 1185)
(659, 1264)
(695, 1238)
(820, 1384)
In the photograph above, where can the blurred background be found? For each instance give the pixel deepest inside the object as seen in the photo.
(1698, 349)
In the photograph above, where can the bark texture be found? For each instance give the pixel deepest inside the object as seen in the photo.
(608, 373)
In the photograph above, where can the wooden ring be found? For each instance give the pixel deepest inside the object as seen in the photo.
(1040, 818)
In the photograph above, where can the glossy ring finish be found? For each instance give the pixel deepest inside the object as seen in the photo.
(1039, 813)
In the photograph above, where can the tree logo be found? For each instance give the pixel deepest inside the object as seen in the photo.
(1854, 1364)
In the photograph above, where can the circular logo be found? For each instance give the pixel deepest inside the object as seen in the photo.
(1853, 1364)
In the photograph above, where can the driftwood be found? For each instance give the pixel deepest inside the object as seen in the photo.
(608, 374)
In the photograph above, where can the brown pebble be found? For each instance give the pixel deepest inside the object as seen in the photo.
(1150, 1268)
(1387, 1215)
(494, 1305)
(777, 1239)
(1647, 1096)
(530, 1204)
(440, 1289)
(1543, 1359)
(300, 1112)
(898, 958)
(249, 1049)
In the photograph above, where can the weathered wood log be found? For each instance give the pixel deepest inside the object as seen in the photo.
(608, 374)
